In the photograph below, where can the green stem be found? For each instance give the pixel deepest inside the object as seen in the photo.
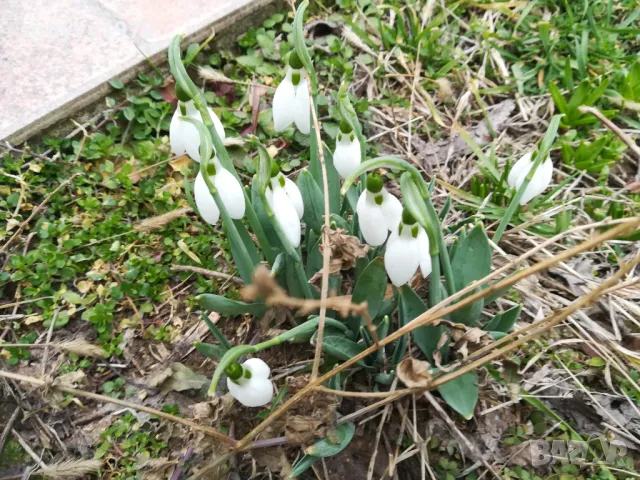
(442, 246)
(256, 226)
(302, 279)
(434, 282)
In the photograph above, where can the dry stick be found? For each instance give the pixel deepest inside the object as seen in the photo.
(613, 127)
(8, 427)
(45, 355)
(549, 323)
(207, 273)
(556, 319)
(102, 398)
(426, 319)
(35, 211)
(326, 247)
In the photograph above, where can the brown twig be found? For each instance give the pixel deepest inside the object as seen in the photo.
(428, 318)
(35, 211)
(8, 427)
(613, 127)
(207, 273)
(134, 406)
(326, 245)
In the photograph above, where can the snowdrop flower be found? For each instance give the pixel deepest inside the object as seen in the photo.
(378, 211)
(285, 200)
(184, 136)
(538, 184)
(291, 100)
(407, 249)
(249, 383)
(229, 189)
(346, 158)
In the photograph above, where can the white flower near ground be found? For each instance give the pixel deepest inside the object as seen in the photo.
(346, 157)
(228, 187)
(184, 136)
(285, 201)
(291, 100)
(407, 250)
(539, 182)
(378, 211)
(253, 389)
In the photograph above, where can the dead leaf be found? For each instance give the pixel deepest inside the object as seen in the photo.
(414, 373)
(302, 430)
(432, 154)
(275, 459)
(183, 246)
(177, 377)
(35, 167)
(160, 221)
(33, 319)
(179, 163)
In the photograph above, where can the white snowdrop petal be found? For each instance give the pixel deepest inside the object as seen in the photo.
(286, 215)
(539, 182)
(346, 157)
(401, 258)
(257, 367)
(217, 124)
(176, 136)
(191, 137)
(230, 192)
(391, 209)
(423, 252)
(293, 192)
(252, 392)
(204, 201)
(371, 220)
(301, 107)
(521, 166)
(283, 102)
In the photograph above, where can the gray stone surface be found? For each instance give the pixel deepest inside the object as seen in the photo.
(53, 51)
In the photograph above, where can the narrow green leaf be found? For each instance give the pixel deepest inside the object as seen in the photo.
(210, 350)
(558, 98)
(227, 307)
(336, 441)
(461, 394)
(224, 343)
(472, 262)
(504, 321)
(343, 348)
(411, 306)
(370, 287)
(303, 465)
(313, 200)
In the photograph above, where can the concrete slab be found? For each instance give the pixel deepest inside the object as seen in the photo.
(56, 55)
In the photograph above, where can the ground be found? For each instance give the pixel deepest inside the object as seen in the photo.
(94, 225)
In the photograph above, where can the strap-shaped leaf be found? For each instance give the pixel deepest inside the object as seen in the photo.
(370, 287)
(461, 394)
(313, 200)
(343, 348)
(227, 307)
(210, 350)
(410, 307)
(504, 321)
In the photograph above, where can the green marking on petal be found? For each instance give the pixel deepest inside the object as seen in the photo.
(211, 169)
(275, 169)
(183, 109)
(414, 231)
(247, 373)
(295, 78)
(374, 184)
(281, 180)
(407, 217)
(234, 371)
(294, 61)
(379, 199)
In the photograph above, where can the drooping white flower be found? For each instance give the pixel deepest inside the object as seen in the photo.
(184, 136)
(285, 200)
(229, 189)
(539, 182)
(346, 157)
(407, 250)
(291, 100)
(249, 383)
(378, 211)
